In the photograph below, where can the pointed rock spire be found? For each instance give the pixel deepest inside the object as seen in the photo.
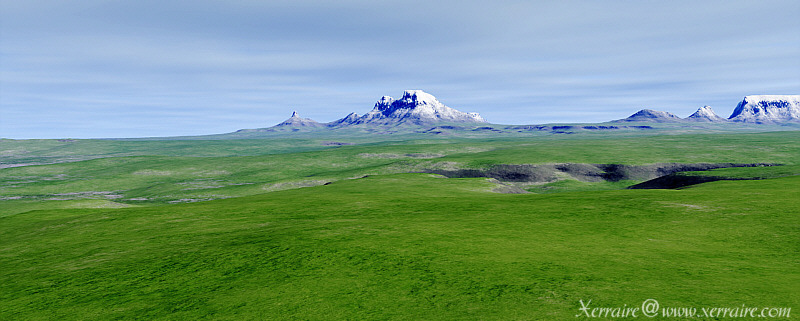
(296, 121)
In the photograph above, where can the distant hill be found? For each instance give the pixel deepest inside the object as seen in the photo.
(650, 115)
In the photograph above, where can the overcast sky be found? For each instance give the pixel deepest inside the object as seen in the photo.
(92, 68)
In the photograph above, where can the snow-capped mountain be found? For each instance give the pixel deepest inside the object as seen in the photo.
(705, 114)
(653, 116)
(415, 107)
(297, 121)
(767, 109)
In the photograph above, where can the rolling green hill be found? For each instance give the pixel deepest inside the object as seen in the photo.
(407, 246)
(188, 230)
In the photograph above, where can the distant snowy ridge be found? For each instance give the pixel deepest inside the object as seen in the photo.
(347, 120)
(767, 109)
(417, 107)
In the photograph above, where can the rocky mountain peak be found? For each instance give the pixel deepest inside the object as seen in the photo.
(416, 107)
(705, 114)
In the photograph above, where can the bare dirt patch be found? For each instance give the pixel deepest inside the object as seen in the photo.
(505, 188)
(396, 156)
(291, 185)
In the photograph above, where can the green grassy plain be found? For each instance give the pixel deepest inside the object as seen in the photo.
(406, 246)
(162, 178)
(395, 245)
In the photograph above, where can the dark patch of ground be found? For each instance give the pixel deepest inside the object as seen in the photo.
(674, 181)
(503, 173)
(589, 172)
(571, 129)
(335, 144)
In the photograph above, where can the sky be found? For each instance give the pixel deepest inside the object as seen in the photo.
(103, 68)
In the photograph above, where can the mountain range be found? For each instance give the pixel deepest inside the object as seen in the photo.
(757, 109)
(418, 108)
(415, 107)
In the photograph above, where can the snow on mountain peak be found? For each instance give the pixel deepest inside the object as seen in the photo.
(705, 113)
(767, 109)
(419, 97)
(415, 106)
(384, 103)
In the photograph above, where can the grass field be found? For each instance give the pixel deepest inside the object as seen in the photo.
(169, 176)
(396, 245)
